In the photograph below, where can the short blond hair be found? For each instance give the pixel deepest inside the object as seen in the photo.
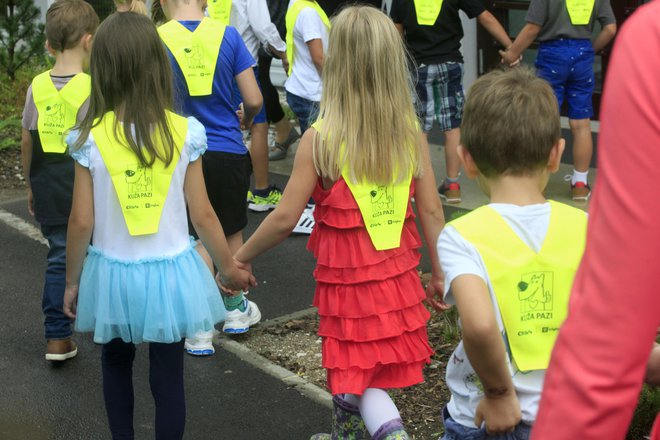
(137, 6)
(510, 122)
(368, 121)
(67, 21)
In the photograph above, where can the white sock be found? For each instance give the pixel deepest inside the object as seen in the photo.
(579, 177)
(376, 408)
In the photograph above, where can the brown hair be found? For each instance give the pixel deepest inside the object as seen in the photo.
(67, 21)
(131, 75)
(510, 122)
(137, 6)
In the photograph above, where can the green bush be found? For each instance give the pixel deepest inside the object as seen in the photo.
(647, 409)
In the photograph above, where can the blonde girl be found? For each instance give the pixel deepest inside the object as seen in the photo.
(137, 168)
(362, 163)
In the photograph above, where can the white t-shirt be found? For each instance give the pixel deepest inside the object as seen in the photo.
(252, 20)
(459, 257)
(305, 80)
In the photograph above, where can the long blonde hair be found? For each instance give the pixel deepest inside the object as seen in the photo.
(137, 6)
(368, 121)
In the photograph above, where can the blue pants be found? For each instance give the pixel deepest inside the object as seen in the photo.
(165, 379)
(57, 325)
(307, 111)
(568, 66)
(456, 431)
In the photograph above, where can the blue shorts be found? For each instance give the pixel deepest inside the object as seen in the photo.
(568, 66)
(440, 95)
(456, 431)
(238, 99)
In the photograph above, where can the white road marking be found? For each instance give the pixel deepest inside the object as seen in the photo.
(22, 226)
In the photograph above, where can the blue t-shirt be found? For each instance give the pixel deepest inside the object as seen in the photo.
(216, 111)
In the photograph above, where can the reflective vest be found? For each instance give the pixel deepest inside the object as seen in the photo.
(427, 11)
(532, 289)
(141, 190)
(291, 17)
(58, 109)
(196, 52)
(220, 10)
(580, 11)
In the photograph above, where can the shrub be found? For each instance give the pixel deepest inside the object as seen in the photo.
(21, 35)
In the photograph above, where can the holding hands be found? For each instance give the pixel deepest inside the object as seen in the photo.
(510, 57)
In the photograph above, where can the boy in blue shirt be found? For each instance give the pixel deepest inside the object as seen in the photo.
(207, 57)
(565, 59)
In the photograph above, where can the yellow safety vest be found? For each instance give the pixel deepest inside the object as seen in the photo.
(532, 289)
(58, 109)
(196, 52)
(291, 17)
(580, 11)
(220, 10)
(141, 190)
(427, 11)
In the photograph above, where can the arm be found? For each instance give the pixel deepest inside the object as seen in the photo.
(604, 37)
(653, 367)
(279, 224)
(207, 225)
(316, 51)
(79, 234)
(252, 98)
(524, 39)
(399, 27)
(432, 219)
(494, 28)
(265, 31)
(26, 160)
(499, 409)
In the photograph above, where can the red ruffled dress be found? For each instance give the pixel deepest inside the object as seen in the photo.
(372, 318)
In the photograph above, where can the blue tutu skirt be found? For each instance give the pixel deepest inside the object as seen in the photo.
(154, 300)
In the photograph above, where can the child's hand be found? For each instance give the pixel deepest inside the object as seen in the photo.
(30, 200)
(509, 59)
(236, 279)
(500, 413)
(434, 292)
(70, 300)
(245, 125)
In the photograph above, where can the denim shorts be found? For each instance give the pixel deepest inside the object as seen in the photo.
(456, 431)
(440, 95)
(568, 66)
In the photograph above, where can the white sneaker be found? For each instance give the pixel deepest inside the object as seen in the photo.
(238, 322)
(201, 344)
(306, 222)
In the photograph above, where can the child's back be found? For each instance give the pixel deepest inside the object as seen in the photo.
(508, 266)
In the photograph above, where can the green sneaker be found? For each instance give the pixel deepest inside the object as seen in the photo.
(261, 204)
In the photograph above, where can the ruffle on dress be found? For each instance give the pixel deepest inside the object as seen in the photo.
(372, 318)
(156, 300)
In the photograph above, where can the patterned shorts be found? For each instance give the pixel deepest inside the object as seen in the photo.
(440, 95)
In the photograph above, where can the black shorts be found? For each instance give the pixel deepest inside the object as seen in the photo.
(227, 178)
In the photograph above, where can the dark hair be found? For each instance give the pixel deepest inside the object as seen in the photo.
(510, 122)
(132, 76)
(67, 21)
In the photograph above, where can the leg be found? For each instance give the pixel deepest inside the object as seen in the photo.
(453, 163)
(346, 420)
(259, 154)
(380, 415)
(166, 381)
(117, 367)
(582, 144)
(274, 112)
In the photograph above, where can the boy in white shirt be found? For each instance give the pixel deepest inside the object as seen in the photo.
(509, 266)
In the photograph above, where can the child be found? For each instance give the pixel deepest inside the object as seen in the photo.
(433, 31)
(509, 265)
(362, 172)
(207, 57)
(307, 29)
(565, 59)
(252, 20)
(137, 165)
(53, 106)
(137, 6)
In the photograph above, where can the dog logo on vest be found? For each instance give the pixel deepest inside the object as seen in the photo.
(140, 181)
(535, 292)
(381, 198)
(194, 57)
(55, 115)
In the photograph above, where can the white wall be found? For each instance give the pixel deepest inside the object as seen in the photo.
(469, 50)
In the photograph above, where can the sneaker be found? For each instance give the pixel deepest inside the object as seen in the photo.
(238, 322)
(580, 192)
(279, 151)
(306, 223)
(59, 350)
(201, 344)
(450, 192)
(262, 204)
(249, 196)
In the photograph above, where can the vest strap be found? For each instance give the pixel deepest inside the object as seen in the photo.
(220, 10)
(427, 11)
(291, 17)
(580, 11)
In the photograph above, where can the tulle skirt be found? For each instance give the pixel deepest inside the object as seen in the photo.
(154, 300)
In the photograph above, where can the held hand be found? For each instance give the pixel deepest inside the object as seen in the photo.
(509, 59)
(30, 201)
(70, 300)
(236, 279)
(240, 113)
(434, 292)
(501, 414)
(285, 64)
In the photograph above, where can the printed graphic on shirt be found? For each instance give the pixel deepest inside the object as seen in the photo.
(535, 295)
(139, 180)
(55, 117)
(473, 384)
(194, 59)
(382, 200)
